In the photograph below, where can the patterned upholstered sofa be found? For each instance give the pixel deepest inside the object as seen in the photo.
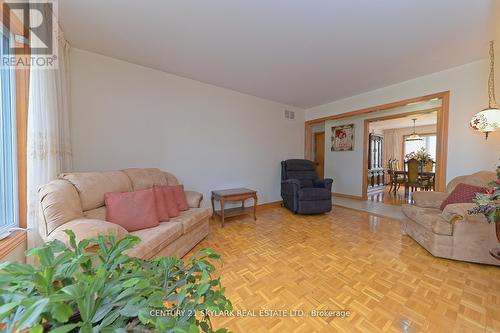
(76, 201)
(451, 233)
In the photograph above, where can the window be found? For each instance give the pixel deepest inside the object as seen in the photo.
(9, 211)
(428, 142)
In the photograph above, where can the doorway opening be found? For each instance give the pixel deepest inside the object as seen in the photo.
(394, 143)
(350, 169)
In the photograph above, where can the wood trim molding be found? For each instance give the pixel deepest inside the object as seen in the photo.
(308, 141)
(347, 196)
(441, 141)
(381, 107)
(22, 96)
(441, 129)
(8, 244)
(271, 204)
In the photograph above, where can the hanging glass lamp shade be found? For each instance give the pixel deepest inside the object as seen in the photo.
(486, 121)
(414, 136)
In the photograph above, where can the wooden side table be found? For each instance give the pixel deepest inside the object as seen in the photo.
(232, 195)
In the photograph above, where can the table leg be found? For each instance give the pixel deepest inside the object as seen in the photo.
(255, 208)
(222, 212)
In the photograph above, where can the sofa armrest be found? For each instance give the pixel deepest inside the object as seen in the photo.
(459, 211)
(194, 198)
(86, 228)
(426, 199)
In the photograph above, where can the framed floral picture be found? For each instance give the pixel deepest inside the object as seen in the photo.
(343, 138)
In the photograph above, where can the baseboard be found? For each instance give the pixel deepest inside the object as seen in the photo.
(347, 196)
(270, 204)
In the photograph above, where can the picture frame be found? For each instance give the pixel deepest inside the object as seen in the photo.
(342, 138)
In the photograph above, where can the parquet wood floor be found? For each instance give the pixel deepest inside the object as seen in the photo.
(347, 260)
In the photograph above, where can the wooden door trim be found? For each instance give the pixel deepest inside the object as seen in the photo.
(441, 143)
(315, 134)
(442, 133)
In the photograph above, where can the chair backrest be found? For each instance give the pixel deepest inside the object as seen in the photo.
(413, 167)
(303, 170)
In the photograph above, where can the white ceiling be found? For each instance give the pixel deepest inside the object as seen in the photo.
(298, 52)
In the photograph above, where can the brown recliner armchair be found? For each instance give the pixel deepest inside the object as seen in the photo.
(451, 233)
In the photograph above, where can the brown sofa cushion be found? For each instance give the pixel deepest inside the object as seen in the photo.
(87, 228)
(191, 218)
(155, 239)
(92, 186)
(429, 218)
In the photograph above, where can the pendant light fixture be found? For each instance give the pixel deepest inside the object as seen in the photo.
(414, 136)
(488, 120)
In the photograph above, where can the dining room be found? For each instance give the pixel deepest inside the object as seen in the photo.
(402, 156)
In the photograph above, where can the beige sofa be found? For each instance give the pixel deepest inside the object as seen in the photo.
(75, 201)
(451, 233)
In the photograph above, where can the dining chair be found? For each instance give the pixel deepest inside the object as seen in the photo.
(395, 179)
(414, 176)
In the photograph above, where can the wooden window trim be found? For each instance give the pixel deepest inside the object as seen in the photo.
(16, 27)
(7, 245)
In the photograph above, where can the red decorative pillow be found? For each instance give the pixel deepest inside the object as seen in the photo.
(462, 193)
(169, 200)
(161, 205)
(132, 210)
(180, 197)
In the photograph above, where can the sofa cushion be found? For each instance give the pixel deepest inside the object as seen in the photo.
(87, 228)
(481, 179)
(132, 210)
(192, 218)
(145, 178)
(96, 214)
(59, 203)
(92, 186)
(312, 194)
(462, 193)
(155, 239)
(429, 218)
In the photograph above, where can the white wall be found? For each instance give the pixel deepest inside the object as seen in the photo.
(124, 115)
(467, 150)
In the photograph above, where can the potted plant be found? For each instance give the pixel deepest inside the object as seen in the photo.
(101, 290)
(423, 157)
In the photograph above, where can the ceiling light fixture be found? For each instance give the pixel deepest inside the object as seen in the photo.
(414, 136)
(488, 120)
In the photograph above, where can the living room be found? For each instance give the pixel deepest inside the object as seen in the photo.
(180, 142)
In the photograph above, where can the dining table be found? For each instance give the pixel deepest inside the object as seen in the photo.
(427, 174)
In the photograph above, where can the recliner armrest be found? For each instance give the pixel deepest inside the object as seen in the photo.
(290, 185)
(324, 183)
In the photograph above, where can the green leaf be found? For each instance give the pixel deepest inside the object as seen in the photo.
(31, 315)
(37, 329)
(202, 289)
(130, 283)
(61, 312)
(65, 328)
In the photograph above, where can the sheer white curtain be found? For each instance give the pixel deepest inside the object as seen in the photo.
(49, 146)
